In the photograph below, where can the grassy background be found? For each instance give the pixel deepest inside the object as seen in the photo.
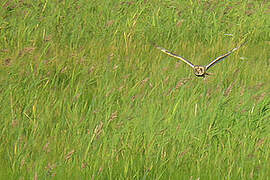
(85, 95)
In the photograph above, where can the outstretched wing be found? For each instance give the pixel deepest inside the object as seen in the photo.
(176, 56)
(220, 58)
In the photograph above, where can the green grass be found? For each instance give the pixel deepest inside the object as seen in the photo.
(86, 95)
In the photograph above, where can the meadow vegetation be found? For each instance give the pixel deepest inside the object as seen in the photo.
(85, 94)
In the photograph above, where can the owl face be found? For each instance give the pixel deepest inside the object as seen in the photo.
(199, 71)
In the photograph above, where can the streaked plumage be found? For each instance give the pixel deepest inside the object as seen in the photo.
(198, 69)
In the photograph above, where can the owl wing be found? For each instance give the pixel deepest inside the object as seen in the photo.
(220, 58)
(176, 56)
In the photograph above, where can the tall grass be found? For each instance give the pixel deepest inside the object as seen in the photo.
(85, 94)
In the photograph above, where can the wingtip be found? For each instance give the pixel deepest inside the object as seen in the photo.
(160, 48)
(242, 44)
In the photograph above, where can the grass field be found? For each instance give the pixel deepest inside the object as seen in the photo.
(86, 95)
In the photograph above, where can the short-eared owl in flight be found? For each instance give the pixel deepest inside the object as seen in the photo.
(199, 70)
